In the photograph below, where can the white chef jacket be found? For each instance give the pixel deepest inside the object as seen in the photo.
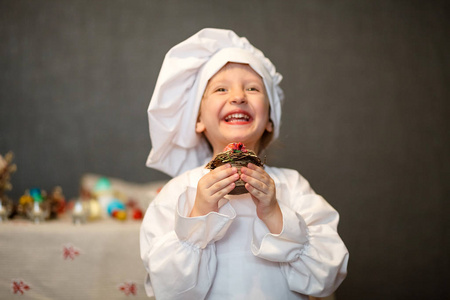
(231, 254)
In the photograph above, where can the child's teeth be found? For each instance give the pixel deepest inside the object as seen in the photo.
(237, 116)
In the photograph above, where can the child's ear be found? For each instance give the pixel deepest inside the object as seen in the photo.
(199, 127)
(269, 126)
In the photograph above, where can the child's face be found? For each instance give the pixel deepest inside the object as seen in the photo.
(234, 108)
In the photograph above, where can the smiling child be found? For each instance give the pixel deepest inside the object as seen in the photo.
(279, 240)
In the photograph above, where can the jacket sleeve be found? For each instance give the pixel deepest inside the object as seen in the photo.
(179, 252)
(311, 254)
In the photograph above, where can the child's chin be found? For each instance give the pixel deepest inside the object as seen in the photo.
(237, 134)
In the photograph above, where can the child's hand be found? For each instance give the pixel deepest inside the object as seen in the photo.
(262, 189)
(212, 187)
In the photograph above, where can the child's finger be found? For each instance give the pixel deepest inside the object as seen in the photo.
(224, 191)
(255, 192)
(219, 174)
(258, 178)
(256, 168)
(255, 184)
(223, 183)
(255, 171)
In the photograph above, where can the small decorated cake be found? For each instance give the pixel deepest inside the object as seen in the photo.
(238, 156)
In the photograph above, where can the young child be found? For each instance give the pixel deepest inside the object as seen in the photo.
(279, 240)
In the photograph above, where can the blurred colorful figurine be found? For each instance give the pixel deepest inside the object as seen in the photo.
(6, 169)
(57, 202)
(5, 210)
(25, 204)
(104, 194)
(79, 214)
(40, 209)
(136, 212)
(116, 209)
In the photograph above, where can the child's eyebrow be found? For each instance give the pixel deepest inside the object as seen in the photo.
(213, 84)
(260, 84)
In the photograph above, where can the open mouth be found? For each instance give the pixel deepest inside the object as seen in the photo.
(237, 118)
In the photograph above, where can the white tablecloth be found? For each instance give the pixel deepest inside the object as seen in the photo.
(58, 260)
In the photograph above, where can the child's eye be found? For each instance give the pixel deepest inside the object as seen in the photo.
(221, 90)
(252, 89)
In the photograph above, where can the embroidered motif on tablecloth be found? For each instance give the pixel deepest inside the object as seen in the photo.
(18, 286)
(70, 251)
(128, 288)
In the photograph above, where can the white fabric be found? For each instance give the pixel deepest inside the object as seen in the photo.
(174, 106)
(231, 254)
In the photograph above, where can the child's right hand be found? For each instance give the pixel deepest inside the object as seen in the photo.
(212, 187)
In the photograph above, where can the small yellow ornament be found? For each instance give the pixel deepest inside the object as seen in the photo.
(120, 215)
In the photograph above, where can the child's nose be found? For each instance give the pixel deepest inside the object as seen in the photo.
(238, 97)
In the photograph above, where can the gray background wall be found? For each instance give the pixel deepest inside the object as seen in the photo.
(365, 117)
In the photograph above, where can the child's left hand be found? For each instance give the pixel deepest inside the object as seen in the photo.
(262, 189)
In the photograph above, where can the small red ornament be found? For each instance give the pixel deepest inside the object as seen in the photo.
(137, 214)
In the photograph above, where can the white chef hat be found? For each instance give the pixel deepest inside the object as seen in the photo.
(175, 103)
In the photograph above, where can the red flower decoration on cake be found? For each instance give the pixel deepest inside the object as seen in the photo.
(235, 147)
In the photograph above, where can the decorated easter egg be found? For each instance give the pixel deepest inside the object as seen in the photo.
(137, 214)
(115, 205)
(119, 214)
